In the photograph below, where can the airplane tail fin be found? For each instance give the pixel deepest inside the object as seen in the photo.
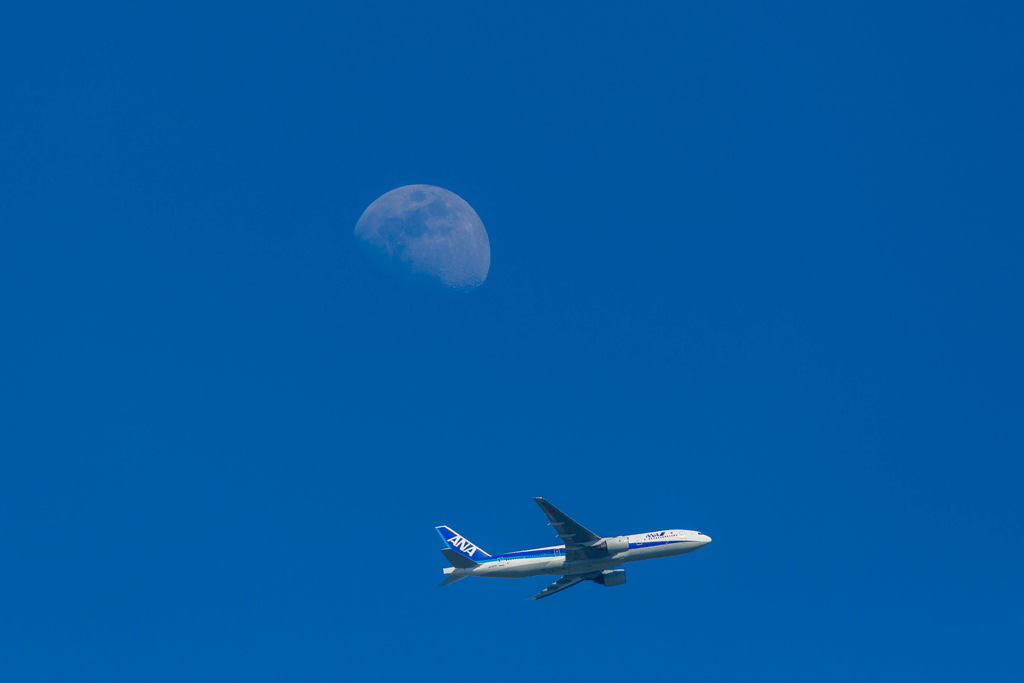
(461, 546)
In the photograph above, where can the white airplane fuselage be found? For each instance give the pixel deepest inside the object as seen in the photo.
(551, 559)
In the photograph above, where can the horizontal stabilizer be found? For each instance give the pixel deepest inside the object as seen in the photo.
(452, 578)
(458, 560)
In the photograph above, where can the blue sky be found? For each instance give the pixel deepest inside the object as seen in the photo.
(755, 270)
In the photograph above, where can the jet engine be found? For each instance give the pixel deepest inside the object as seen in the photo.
(612, 577)
(616, 544)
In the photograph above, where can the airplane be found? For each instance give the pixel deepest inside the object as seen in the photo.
(585, 556)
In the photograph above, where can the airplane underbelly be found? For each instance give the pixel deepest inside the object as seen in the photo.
(665, 550)
(521, 569)
(584, 566)
(555, 567)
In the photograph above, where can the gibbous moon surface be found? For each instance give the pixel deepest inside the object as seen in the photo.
(430, 230)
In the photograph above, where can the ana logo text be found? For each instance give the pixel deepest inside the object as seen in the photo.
(459, 543)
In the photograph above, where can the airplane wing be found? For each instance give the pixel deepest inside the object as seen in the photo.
(577, 538)
(560, 585)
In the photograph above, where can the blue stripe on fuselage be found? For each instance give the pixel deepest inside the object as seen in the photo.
(528, 554)
(654, 543)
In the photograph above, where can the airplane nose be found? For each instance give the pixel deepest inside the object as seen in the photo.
(706, 539)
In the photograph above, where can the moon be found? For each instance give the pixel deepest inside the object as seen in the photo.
(430, 231)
